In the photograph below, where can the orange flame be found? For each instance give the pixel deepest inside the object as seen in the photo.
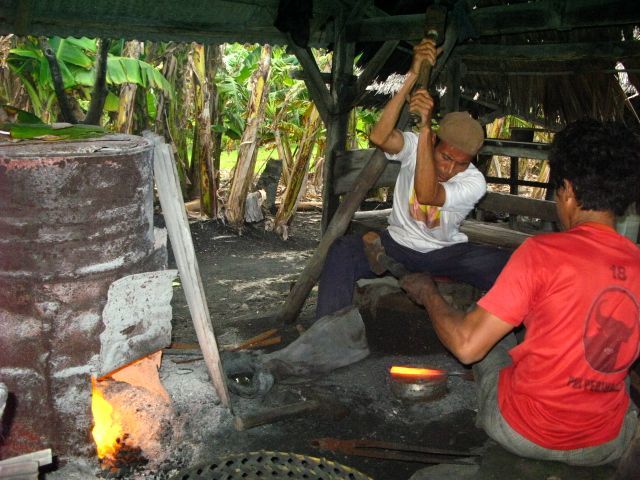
(107, 430)
(415, 373)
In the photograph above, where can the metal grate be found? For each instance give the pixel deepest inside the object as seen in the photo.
(263, 464)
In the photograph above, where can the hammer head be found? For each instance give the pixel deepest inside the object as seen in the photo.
(435, 21)
(373, 249)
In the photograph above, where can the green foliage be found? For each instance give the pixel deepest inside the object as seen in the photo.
(60, 131)
(76, 58)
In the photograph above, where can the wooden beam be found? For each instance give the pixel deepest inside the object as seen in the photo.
(538, 151)
(350, 163)
(507, 19)
(492, 234)
(565, 52)
(342, 93)
(313, 79)
(517, 205)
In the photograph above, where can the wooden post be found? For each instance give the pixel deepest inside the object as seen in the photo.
(168, 184)
(342, 92)
(522, 135)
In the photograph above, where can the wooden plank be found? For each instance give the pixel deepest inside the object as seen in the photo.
(168, 184)
(492, 234)
(350, 163)
(521, 183)
(536, 53)
(516, 205)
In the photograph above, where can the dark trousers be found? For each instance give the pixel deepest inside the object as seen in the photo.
(478, 265)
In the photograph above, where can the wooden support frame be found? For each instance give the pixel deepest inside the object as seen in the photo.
(342, 94)
(505, 19)
(313, 80)
(494, 54)
(168, 184)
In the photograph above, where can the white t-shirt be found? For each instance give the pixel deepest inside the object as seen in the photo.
(424, 228)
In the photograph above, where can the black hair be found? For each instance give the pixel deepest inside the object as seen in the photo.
(602, 162)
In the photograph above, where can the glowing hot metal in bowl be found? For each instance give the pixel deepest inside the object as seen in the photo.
(415, 373)
(418, 383)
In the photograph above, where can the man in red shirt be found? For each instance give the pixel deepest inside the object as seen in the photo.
(561, 394)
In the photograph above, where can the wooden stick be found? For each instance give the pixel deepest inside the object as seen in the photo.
(253, 340)
(168, 184)
(276, 414)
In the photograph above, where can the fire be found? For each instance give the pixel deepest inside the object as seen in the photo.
(415, 373)
(107, 430)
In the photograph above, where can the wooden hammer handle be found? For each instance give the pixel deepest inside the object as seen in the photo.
(435, 20)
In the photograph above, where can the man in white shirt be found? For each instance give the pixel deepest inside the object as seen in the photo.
(435, 190)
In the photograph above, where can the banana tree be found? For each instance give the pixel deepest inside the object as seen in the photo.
(132, 49)
(247, 152)
(76, 59)
(299, 173)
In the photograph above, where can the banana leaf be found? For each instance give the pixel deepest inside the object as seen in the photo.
(56, 131)
(16, 115)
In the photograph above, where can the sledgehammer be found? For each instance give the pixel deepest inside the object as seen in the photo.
(378, 259)
(435, 19)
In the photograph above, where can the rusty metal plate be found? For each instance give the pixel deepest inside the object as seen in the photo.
(261, 464)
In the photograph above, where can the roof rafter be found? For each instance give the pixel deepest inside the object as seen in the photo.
(507, 19)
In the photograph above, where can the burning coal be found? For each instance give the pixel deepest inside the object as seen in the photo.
(132, 416)
(107, 429)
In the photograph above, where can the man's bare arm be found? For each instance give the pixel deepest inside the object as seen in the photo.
(469, 336)
(384, 134)
(429, 191)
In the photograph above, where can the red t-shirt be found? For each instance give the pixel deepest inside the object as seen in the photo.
(577, 294)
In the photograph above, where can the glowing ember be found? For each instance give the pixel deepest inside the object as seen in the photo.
(107, 430)
(416, 373)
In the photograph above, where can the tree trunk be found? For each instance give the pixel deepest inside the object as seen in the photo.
(298, 179)
(124, 122)
(172, 116)
(284, 152)
(214, 62)
(99, 92)
(248, 150)
(202, 139)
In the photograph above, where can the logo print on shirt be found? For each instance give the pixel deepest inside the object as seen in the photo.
(612, 331)
(427, 214)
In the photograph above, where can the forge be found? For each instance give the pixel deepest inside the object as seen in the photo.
(84, 290)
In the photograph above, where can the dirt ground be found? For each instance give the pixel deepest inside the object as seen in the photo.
(246, 279)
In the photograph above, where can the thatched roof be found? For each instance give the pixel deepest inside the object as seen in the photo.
(547, 57)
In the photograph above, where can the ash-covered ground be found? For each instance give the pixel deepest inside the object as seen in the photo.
(246, 279)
